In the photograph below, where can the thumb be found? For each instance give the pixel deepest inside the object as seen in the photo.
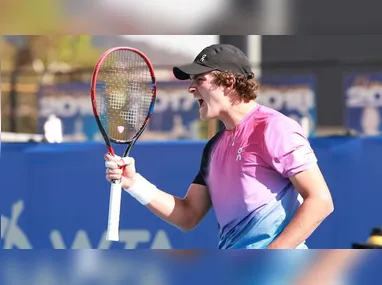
(111, 161)
(109, 157)
(124, 161)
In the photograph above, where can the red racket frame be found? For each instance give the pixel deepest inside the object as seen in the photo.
(106, 137)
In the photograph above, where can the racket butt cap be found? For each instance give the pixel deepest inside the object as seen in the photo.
(111, 237)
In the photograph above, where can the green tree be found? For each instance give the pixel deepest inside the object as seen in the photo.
(76, 50)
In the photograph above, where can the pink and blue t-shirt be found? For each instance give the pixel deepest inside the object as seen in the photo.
(247, 170)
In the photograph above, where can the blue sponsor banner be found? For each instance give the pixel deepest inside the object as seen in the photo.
(292, 95)
(363, 103)
(72, 104)
(58, 217)
(59, 197)
(175, 112)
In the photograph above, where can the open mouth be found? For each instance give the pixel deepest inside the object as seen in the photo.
(200, 102)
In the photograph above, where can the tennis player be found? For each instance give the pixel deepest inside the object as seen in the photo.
(253, 172)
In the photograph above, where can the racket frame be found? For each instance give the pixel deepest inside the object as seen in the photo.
(115, 195)
(93, 89)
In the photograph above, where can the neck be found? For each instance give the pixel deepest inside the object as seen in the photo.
(234, 116)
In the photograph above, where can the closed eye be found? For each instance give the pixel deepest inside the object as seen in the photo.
(198, 79)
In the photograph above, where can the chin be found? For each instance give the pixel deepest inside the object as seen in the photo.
(203, 118)
(206, 117)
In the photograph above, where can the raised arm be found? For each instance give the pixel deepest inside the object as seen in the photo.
(184, 213)
(288, 151)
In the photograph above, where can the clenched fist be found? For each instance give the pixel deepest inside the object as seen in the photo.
(120, 168)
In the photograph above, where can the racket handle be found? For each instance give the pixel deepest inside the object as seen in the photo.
(112, 233)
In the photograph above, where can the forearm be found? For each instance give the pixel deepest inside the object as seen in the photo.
(171, 209)
(307, 218)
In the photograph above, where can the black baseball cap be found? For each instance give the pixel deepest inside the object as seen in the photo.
(221, 57)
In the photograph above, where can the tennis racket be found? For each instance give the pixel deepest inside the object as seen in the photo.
(123, 95)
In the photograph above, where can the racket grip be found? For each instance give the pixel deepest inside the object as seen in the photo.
(112, 233)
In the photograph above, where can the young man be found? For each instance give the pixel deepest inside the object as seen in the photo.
(251, 172)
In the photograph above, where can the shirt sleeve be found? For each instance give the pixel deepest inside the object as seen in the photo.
(199, 178)
(286, 149)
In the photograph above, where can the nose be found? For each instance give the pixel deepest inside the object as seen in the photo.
(191, 88)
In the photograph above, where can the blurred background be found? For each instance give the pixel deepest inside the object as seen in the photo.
(331, 85)
(45, 76)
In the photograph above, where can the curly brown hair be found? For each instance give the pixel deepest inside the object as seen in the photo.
(246, 88)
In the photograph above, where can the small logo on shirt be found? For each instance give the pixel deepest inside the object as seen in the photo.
(238, 156)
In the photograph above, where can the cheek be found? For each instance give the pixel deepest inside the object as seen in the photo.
(220, 102)
(215, 97)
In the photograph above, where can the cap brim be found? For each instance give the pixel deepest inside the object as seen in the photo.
(183, 72)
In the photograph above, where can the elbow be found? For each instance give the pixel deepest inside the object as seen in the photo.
(331, 207)
(190, 218)
(190, 221)
(327, 205)
(187, 225)
(191, 214)
(323, 206)
(185, 229)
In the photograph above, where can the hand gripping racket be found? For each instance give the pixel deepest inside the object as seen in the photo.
(123, 93)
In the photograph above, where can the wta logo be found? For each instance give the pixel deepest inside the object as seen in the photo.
(13, 236)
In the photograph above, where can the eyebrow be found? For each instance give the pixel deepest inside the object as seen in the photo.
(192, 77)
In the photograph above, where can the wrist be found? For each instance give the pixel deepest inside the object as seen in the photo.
(142, 189)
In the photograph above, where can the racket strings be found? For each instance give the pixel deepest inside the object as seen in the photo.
(126, 95)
